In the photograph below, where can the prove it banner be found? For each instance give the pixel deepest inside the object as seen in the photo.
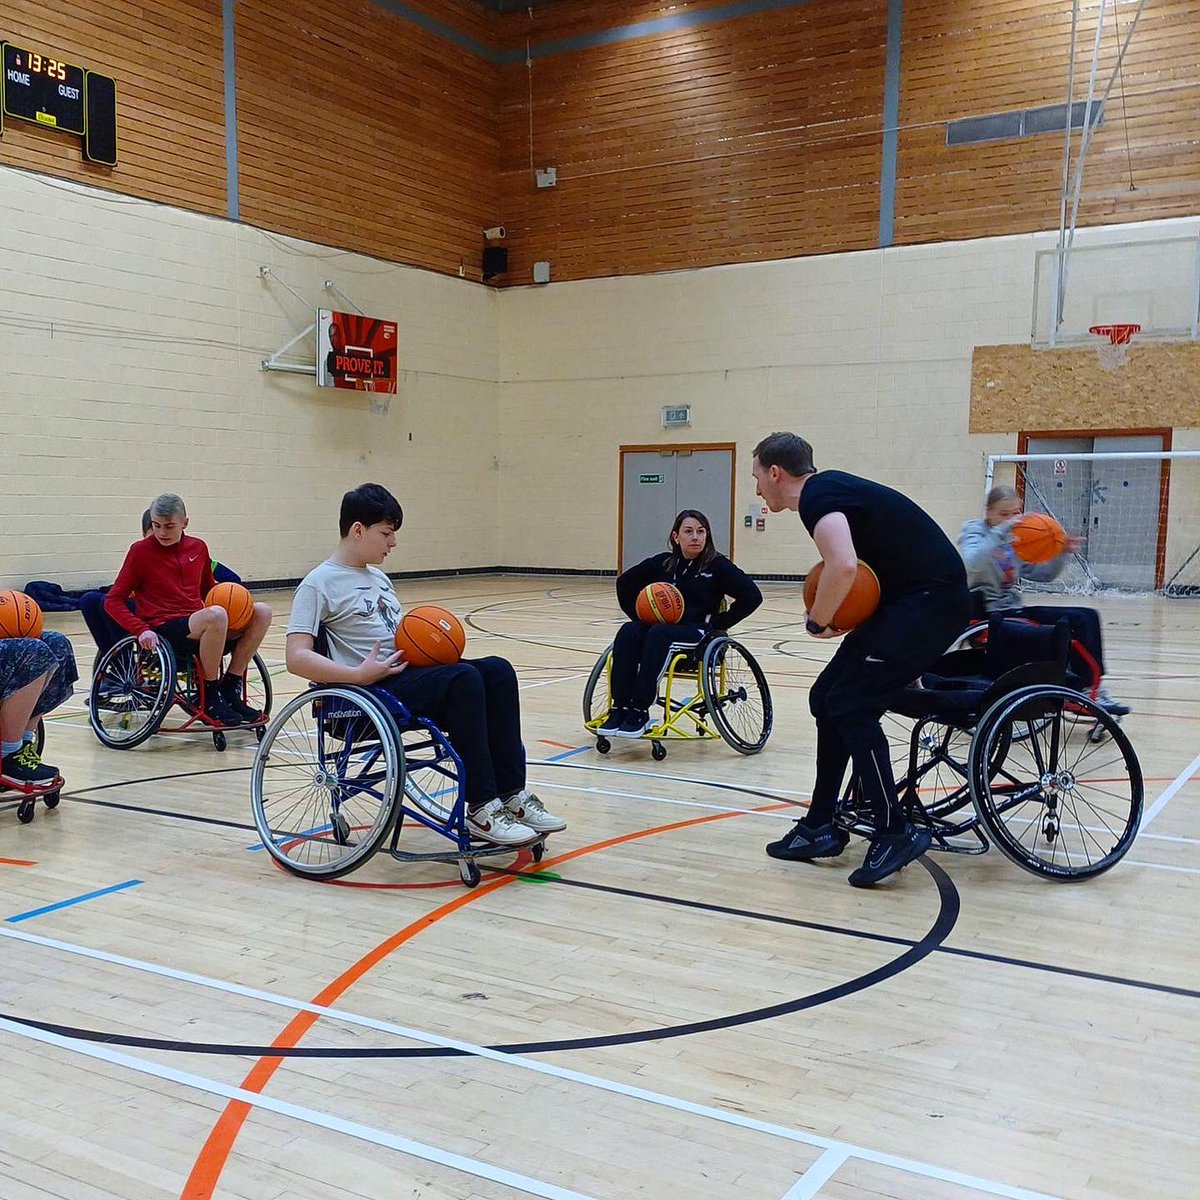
(356, 352)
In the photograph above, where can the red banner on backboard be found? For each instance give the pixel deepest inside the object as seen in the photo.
(356, 352)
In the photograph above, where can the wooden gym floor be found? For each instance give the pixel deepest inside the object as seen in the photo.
(680, 1017)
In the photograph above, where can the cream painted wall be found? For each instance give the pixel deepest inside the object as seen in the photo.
(868, 355)
(130, 341)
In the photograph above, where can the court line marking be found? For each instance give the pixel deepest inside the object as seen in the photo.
(595, 791)
(819, 1174)
(659, 1099)
(298, 1112)
(528, 687)
(1178, 783)
(17, 862)
(49, 908)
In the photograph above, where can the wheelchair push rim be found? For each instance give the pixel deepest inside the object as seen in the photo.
(1060, 804)
(132, 689)
(736, 695)
(326, 782)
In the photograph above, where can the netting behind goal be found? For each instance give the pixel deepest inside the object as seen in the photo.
(1138, 516)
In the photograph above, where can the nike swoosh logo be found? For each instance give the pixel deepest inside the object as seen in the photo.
(874, 660)
(193, 558)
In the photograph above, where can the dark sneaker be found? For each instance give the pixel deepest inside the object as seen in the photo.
(218, 708)
(802, 843)
(613, 722)
(231, 693)
(637, 721)
(889, 852)
(24, 769)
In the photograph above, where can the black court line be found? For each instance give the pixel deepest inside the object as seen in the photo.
(947, 917)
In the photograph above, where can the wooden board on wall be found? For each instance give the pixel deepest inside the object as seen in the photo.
(1017, 387)
(167, 60)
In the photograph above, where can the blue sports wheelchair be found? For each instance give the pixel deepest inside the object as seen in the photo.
(340, 769)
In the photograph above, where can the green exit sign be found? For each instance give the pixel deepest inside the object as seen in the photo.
(652, 479)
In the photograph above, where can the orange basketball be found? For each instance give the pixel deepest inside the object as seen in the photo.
(236, 601)
(659, 604)
(20, 615)
(1037, 538)
(861, 600)
(431, 636)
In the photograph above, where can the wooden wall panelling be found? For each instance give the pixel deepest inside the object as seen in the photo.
(167, 60)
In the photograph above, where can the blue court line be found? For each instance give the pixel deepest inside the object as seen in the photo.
(49, 908)
(567, 754)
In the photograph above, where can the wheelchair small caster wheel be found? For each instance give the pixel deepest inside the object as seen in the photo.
(25, 810)
(468, 872)
(658, 751)
(537, 851)
(219, 739)
(50, 799)
(603, 745)
(260, 732)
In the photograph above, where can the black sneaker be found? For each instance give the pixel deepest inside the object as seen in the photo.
(614, 721)
(637, 721)
(231, 693)
(802, 843)
(217, 708)
(889, 852)
(24, 769)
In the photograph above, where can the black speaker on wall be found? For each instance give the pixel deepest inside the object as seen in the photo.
(495, 261)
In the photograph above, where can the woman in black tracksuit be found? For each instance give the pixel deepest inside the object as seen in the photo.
(704, 578)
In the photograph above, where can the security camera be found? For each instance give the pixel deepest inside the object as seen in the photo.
(497, 233)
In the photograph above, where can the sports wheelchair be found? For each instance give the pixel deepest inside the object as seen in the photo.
(133, 689)
(339, 770)
(29, 796)
(996, 727)
(717, 681)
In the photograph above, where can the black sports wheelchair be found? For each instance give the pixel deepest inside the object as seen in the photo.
(714, 689)
(996, 726)
(340, 769)
(133, 690)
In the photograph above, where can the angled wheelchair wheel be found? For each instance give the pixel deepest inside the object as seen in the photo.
(326, 782)
(132, 690)
(597, 696)
(1059, 804)
(258, 692)
(736, 695)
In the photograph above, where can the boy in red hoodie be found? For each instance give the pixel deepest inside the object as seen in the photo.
(168, 574)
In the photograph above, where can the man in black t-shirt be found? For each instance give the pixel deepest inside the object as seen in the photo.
(924, 605)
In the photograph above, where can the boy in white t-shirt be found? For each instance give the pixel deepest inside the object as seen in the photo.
(475, 703)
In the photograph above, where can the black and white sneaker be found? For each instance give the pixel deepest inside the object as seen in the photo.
(637, 721)
(889, 852)
(803, 843)
(613, 722)
(24, 769)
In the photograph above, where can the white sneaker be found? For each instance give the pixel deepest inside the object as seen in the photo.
(492, 822)
(529, 810)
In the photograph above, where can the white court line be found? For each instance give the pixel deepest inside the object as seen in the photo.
(783, 793)
(819, 1174)
(527, 687)
(1174, 786)
(595, 791)
(911, 1166)
(310, 1116)
(1162, 867)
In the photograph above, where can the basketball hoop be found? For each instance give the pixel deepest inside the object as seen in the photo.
(1111, 352)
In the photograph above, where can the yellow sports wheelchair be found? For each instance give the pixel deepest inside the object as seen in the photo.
(712, 690)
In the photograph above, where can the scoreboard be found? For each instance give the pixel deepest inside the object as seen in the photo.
(57, 95)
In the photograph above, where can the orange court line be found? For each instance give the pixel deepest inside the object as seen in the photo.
(214, 1154)
(560, 745)
(17, 862)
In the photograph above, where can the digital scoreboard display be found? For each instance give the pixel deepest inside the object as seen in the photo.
(44, 90)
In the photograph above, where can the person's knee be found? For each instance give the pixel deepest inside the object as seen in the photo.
(496, 668)
(213, 619)
(59, 645)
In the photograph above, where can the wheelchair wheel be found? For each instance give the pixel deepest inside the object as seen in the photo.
(326, 782)
(431, 773)
(258, 692)
(132, 690)
(736, 695)
(597, 696)
(1058, 804)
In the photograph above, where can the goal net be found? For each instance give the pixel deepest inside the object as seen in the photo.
(1137, 515)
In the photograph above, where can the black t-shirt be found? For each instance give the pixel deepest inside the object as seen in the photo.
(896, 538)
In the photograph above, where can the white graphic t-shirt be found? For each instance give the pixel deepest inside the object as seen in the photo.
(356, 606)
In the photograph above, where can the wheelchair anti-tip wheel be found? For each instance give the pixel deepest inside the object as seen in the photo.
(736, 695)
(1058, 803)
(326, 783)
